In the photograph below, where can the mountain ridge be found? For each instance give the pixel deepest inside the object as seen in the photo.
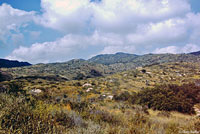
(100, 65)
(108, 59)
(195, 53)
(4, 63)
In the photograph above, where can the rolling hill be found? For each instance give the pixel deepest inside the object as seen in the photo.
(100, 65)
(108, 59)
(72, 70)
(158, 94)
(9, 63)
(195, 53)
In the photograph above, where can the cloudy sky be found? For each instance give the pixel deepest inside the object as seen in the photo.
(59, 30)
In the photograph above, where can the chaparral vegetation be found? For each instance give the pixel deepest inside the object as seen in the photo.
(160, 98)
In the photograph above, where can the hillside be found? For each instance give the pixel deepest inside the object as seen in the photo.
(9, 63)
(195, 53)
(108, 59)
(143, 60)
(150, 99)
(75, 69)
(140, 60)
(79, 69)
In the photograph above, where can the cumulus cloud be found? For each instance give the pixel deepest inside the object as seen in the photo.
(172, 30)
(134, 26)
(125, 15)
(108, 15)
(68, 16)
(11, 20)
(64, 48)
(114, 49)
(177, 49)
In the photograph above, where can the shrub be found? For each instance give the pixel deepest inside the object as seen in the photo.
(69, 119)
(124, 96)
(139, 124)
(101, 115)
(5, 76)
(19, 116)
(164, 114)
(170, 97)
(22, 119)
(15, 88)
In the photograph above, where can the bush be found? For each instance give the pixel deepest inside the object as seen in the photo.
(124, 96)
(100, 115)
(170, 97)
(21, 119)
(69, 119)
(164, 114)
(5, 76)
(15, 88)
(19, 116)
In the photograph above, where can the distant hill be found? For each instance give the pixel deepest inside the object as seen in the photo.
(195, 53)
(108, 59)
(9, 63)
(100, 65)
(76, 69)
(122, 61)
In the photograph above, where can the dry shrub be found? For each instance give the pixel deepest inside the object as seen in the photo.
(170, 97)
(104, 116)
(164, 114)
(21, 119)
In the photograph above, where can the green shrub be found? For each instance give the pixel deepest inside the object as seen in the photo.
(21, 119)
(104, 116)
(170, 97)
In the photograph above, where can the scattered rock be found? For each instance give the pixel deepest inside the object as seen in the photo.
(35, 91)
(110, 97)
(87, 85)
(89, 89)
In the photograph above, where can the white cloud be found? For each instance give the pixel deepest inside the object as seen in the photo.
(114, 49)
(125, 15)
(64, 48)
(134, 26)
(11, 20)
(175, 49)
(69, 16)
(172, 30)
(122, 16)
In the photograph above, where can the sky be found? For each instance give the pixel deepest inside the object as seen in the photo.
(44, 31)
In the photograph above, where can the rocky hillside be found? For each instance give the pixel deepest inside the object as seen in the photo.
(72, 70)
(140, 60)
(100, 65)
(135, 61)
(108, 59)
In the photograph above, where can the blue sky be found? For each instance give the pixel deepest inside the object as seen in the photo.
(27, 5)
(59, 30)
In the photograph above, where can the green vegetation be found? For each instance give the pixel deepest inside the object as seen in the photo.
(151, 99)
(74, 69)
(101, 65)
(171, 97)
(108, 59)
(5, 76)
